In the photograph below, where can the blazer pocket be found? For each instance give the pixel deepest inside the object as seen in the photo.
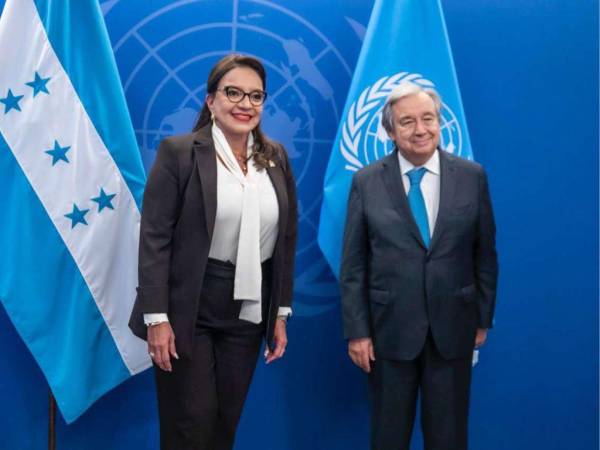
(461, 210)
(468, 293)
(378, 296)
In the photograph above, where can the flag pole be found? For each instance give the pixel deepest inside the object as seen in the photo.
(51, 421)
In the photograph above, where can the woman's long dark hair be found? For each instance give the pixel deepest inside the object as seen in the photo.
(264, 149)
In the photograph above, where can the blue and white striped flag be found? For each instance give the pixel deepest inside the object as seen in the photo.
(71, 183)
(406, 40)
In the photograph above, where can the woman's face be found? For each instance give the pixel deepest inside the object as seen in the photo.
(236, 119)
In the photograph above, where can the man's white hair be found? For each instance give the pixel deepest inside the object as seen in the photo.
(406, 89)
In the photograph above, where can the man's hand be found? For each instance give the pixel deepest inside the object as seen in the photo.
(161, 345)
(280, 339)
(361, 352)
(480, 337)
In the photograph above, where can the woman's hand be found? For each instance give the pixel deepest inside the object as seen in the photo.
(161, 345)
(280, 340)
(480, 337)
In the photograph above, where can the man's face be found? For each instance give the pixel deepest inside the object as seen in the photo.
(416, 127)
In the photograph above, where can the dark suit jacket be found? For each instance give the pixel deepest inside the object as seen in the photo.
(178, 218)
(393, 288)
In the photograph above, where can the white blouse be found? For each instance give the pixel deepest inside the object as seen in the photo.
(229, 213)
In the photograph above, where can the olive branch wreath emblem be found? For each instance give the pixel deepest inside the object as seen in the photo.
(370, 101)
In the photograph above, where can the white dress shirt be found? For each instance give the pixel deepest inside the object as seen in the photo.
(430, 185)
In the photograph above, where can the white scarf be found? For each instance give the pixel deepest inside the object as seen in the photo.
(248, 271)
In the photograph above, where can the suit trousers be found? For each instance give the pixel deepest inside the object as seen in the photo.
(443, 386)
(200, 402)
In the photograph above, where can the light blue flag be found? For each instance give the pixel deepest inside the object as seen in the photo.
(70, 193)
(406, 40)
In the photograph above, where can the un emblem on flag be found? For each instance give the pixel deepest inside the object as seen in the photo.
(364, 139)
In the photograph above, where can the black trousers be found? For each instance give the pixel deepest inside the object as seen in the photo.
(201, 400)
(444, 390)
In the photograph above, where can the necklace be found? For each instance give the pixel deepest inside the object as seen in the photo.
(243, 162)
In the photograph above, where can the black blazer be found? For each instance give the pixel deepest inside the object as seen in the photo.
(178, 218)
(393, 288)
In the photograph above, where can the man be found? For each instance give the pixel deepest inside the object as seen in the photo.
(418, 277)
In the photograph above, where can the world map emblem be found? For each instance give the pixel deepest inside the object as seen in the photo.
(164, 58)
(364, 139)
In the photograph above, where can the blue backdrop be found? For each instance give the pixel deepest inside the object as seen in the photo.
(528, 73)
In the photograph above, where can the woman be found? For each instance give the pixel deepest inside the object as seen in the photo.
(217, 244)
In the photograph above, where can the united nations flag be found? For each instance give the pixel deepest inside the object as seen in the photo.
(406, 40)
(72, 183)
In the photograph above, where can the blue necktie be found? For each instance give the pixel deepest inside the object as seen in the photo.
(417, 203)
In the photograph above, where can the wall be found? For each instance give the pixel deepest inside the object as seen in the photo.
(528, 72)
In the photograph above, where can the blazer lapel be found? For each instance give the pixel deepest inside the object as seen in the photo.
(447, 190)
(278, 180)
(392, 178)
(206, 163)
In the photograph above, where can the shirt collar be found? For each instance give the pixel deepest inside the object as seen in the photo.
(432, 165)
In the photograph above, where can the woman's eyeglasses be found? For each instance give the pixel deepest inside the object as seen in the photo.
(236, 95)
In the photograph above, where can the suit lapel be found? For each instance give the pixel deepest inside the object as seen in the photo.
(447, 191)
(278, 180)
(392, 178)
(206, 163)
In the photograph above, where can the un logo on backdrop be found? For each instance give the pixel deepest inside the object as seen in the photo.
(164, 58)
(364, 139)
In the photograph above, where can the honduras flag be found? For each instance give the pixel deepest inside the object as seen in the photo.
(70, 192)
(406, 41)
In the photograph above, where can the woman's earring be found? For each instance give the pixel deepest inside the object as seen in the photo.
(212, 117)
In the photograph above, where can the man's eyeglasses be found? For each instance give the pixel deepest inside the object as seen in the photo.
(236, 95)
